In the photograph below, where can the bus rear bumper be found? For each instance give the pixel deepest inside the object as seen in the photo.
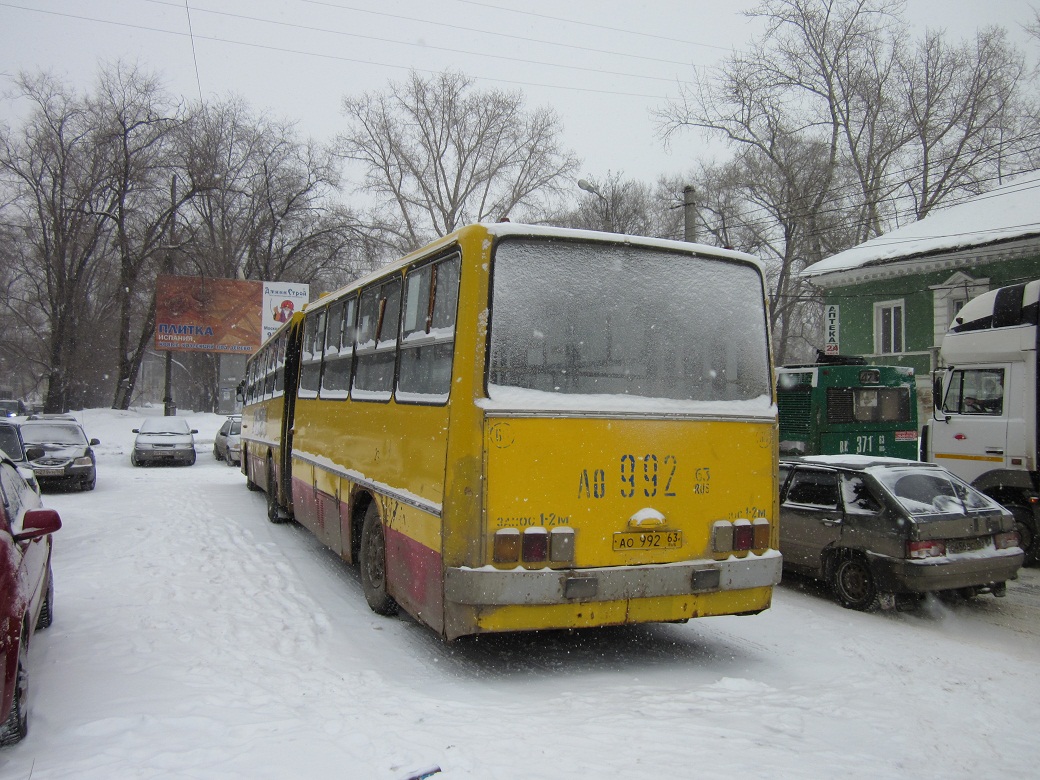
(488, 586)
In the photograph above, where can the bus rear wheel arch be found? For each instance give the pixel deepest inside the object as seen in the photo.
(372, 564)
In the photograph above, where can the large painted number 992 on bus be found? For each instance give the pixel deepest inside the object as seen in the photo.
(521, 428)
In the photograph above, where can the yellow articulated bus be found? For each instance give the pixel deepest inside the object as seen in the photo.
(521, 428)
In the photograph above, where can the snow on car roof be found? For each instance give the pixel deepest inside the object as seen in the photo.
(858, 461)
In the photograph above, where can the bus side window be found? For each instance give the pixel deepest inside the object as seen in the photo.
(428, 331)
(310, 355)
(339, 349)
(376, 341)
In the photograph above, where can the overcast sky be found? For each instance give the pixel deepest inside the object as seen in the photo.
(603, 65)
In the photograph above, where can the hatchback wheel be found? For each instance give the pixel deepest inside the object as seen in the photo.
(853, 584)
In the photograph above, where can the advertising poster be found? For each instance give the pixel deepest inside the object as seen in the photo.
(200, 314)
(281, 301)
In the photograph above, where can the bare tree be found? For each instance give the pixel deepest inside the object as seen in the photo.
(968, 120)
(56, 172)
(839, 125)
(614, 204)
(262, 203)
(135, 118)
(438, 154)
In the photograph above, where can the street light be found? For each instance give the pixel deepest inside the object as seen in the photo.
(608, 222)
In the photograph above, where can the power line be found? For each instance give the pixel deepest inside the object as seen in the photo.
(593, 25)
(340, 58)
(194, 57)
(377, 39)
(497, 33)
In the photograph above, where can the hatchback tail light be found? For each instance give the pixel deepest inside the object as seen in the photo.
(1006, 540)
(926, 548)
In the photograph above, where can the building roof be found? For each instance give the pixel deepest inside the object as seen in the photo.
(1009, 212)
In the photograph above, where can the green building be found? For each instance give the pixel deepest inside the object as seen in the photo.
(891, 299)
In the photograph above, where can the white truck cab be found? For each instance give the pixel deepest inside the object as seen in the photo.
(984, 426)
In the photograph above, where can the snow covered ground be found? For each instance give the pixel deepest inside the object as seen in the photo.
(193, 639)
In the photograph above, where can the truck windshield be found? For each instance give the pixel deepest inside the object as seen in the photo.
(601, 319)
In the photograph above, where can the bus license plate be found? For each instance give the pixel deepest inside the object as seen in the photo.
(647, 540)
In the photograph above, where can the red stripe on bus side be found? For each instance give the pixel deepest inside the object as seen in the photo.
(414, 573)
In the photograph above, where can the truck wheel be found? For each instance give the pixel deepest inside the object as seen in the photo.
(853, 584)
(373, 564)
(1025, 525)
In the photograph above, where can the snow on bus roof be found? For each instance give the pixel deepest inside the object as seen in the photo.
(501, 229)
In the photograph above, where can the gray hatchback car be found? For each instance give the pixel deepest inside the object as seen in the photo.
(164, 440)
(883, 532)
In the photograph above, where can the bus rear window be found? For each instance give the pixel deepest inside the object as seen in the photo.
(603, 319)
(868, 404)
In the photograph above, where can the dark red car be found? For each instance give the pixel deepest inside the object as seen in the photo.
(26, 592)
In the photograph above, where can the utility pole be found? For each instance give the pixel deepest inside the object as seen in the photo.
(169, 410)
(689, 214)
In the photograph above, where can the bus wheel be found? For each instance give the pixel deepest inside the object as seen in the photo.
(274, 512)
(853, 583)
(373, 564)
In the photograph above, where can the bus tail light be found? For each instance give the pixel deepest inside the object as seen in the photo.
(740, 536)
(743, 535)
(506, 546)
(561, 545)
(761, 534)
(926, 548)
(535, 545)
(722, 536)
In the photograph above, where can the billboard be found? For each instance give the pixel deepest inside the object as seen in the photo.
(281, 300)
(232, 316)
(202, 314)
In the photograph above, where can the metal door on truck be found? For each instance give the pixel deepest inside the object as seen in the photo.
(970, 432)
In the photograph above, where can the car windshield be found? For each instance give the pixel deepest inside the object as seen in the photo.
(168, 425)
(932, 492)
(53, 433)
